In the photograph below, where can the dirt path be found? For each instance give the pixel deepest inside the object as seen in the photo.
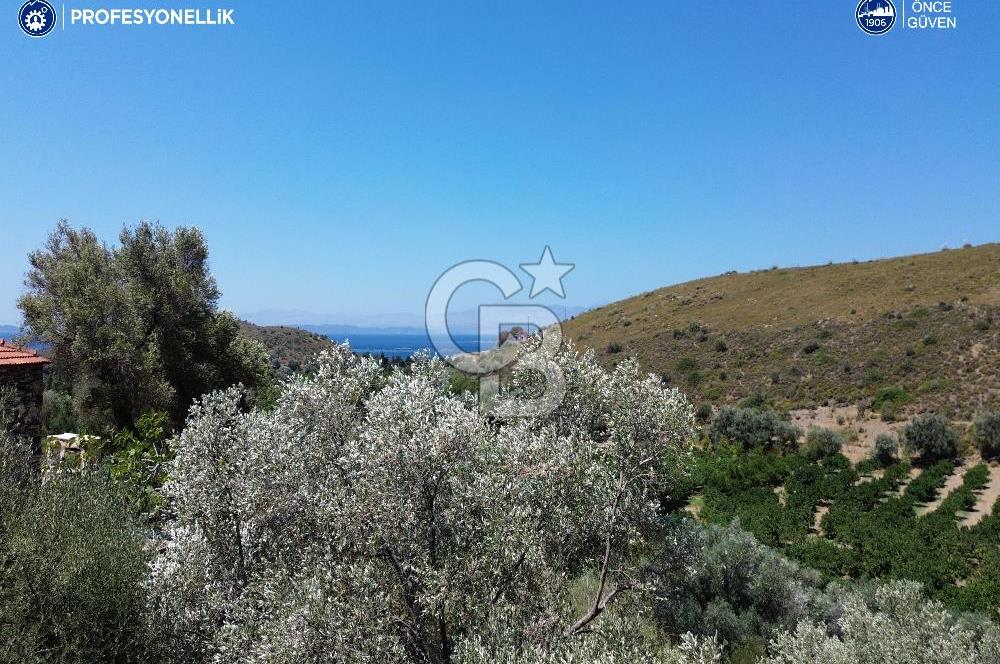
(821, 511)
(952, 482)
(987, 498)
(845, 419)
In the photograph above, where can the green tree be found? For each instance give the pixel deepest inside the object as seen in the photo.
(884, 450)
(932, 437)
(987, 432)
(136, 327)
(822, 443)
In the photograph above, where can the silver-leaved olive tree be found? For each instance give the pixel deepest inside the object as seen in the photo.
(375, 518)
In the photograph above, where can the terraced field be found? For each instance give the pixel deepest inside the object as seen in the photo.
(939, 525)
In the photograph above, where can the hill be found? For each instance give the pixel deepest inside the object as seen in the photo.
(904, 334)
(290, 348)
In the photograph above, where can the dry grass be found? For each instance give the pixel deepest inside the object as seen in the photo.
(834, 333)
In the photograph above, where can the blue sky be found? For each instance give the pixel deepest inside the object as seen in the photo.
(339, 156)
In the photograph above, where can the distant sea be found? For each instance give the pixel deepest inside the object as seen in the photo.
(400, 345)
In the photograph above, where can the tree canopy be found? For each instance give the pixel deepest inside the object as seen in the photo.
(135, 327)
(386, 518)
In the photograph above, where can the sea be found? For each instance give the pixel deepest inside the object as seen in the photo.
(401, 346)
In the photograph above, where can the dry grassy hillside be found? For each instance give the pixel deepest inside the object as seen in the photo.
(919, 331)
(290, 348)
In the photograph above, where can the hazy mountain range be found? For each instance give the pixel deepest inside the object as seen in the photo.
(460, 322)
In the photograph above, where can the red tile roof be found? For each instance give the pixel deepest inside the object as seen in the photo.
(11, 355)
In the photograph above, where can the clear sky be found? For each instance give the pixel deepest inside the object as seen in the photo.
(340, 155)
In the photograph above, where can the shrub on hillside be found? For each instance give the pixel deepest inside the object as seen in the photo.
(703, 413)
(987, 432)
(753, 428)
(756, 400)
(686, 364)
(822, 443)
(931, 437)
(885, 449)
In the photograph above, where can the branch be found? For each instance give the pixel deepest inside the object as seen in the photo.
(600, 601)
(508, 577)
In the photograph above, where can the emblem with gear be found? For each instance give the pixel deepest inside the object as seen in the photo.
(36, 18)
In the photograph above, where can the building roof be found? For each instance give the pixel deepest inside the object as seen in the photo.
(11, 355)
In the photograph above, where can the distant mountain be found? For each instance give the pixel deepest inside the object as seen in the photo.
(336, 325)
(847, 333)
(303, 319)
(339, 331)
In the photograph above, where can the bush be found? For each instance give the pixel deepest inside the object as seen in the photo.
(719, 580)
(686, 364)
(703, 413)
(753, 428)
(72, 578)
(810, 348)
(931, 437)
(889, 399)
(892, 624)
(614, 347)
(58, 413)
(822, 443)
(987, 434)
(885, 449)
(720, 346)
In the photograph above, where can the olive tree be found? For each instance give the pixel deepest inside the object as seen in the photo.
(135, 327)
(822, 443)
(753, 428)
(892, 625)
(376, 518)
(931, 437)
(987, 434)
(884, 449)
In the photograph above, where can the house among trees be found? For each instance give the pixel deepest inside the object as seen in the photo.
(21, 369)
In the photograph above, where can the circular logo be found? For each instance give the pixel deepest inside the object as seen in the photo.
(36, 18)
(876, 17)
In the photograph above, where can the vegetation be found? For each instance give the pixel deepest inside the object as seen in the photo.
(365, 511)
(73, 566)
(931, 437)
(987, 432)
(885, 449)
(135, 328)
(822, 443)
(720, 581)
(888, 625)
(454, 522)
(291, 350)
(866, 528)
(753, 428)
